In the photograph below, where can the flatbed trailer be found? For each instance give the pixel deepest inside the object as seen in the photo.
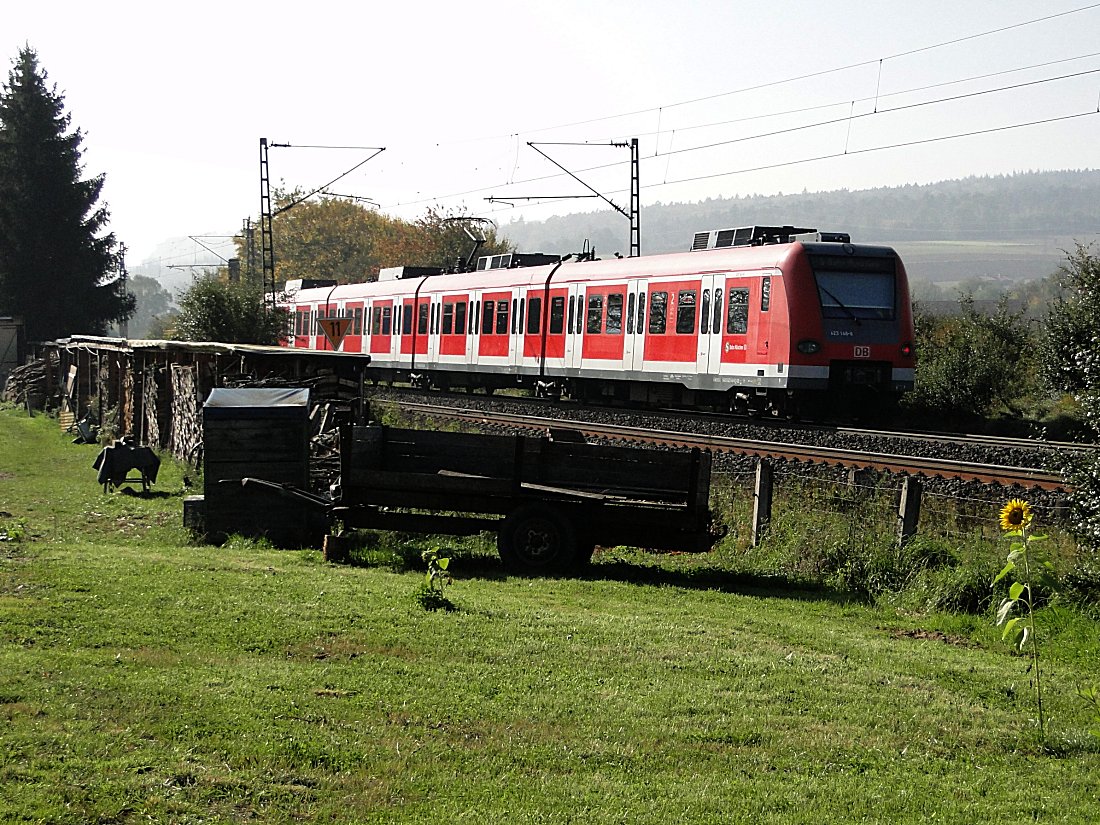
(550, 500)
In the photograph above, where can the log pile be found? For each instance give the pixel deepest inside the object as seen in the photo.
(27, 385)
(185, 434)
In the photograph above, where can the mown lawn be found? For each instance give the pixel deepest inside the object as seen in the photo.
(145, 679)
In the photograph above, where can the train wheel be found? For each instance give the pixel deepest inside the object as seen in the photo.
(536, 539)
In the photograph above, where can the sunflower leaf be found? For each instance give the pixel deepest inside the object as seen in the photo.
(1008, 568)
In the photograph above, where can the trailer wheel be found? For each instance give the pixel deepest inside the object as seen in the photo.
(536, 539)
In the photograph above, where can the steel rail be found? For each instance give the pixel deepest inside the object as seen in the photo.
(800, 453)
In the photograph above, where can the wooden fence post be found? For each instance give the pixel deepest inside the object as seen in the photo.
(908, 509)
(762, 500)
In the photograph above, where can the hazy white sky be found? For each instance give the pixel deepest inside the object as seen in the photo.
(173, 99)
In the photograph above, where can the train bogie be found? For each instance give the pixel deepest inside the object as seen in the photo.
(764, 328)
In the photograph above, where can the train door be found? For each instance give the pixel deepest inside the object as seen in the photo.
(634, 338)
(515, 328)
(574, 326)
(435, 312)
(473, 328)
(764, 327)
(709, 347)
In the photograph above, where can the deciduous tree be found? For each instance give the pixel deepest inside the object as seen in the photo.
(337, 238)
(216, 309)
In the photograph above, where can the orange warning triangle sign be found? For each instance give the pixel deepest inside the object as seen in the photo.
(334, 329)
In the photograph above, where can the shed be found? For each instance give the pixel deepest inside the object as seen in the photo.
(255, 433)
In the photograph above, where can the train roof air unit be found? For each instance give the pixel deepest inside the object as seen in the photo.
(513, 260)
(760, 235)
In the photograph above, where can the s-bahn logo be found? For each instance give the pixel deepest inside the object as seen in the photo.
(861, 352)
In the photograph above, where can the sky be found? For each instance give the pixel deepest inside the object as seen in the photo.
(727, 99)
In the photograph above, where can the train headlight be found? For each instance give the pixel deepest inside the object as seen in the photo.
(907, 349)
(808, 347)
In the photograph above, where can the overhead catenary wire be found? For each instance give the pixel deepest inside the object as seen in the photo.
(662, 109)
(794, 129)
(815, 74)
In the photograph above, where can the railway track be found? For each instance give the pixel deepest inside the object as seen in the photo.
(1025, 477)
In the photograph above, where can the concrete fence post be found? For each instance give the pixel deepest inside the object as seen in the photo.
(762, 500)
(908, 509)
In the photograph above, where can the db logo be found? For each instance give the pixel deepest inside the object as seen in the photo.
(861, 352)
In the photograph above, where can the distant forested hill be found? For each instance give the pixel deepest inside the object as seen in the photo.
(1008, 227)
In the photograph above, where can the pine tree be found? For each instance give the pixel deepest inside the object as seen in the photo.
(55, 258)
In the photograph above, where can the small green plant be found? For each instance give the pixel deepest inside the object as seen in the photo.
(430, 594)
(13, 531)
(1027, 569)
(1091, 697)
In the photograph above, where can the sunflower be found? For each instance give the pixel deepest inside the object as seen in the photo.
(1015, 515)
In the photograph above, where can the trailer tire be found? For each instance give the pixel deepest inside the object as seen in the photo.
(536, 539)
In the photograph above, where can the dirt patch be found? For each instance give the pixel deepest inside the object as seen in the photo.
(934, 636)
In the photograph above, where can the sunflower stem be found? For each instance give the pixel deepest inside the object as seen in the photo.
(1034, 635)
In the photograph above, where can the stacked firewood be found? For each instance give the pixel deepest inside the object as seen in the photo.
(185, 435)
(27, 384)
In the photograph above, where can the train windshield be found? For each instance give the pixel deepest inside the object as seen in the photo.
(854, 287)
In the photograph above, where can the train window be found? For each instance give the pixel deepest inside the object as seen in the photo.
(387, 319)
(737, 316)
(297, 323)
(514, 313)
(397, 320)
(502, 317)
(595, 315)
(521, 302)
(448, 318)
(460, 317)
(358, 323)
(407, 318)
(376, 320)
(630, 314)
(717, 328)
(534, 315)
(765, 293)
(474, 315)
(557, 314)
(704, 313)
(615, 313)
(640, 326)
(487, 318)
(658, 304)
(572, 313)
(685, 311)
(422, 319)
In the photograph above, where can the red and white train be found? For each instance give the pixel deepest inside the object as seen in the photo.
(761, 319)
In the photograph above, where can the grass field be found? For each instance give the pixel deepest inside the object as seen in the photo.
(147, 679)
